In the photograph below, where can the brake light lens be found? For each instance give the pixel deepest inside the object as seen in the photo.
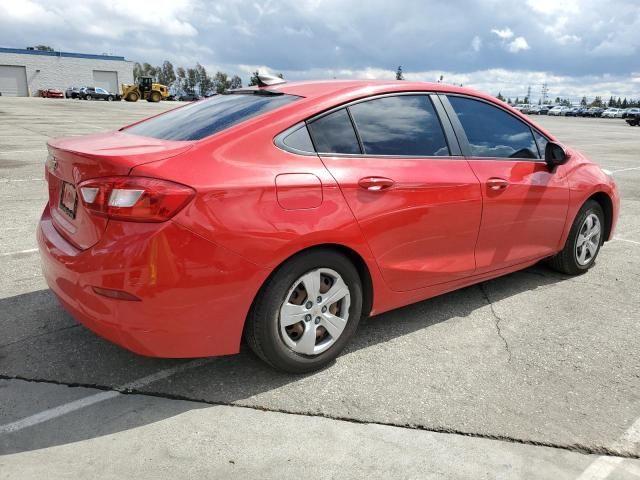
(134, 199)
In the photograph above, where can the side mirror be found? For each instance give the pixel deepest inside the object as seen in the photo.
(555, 155)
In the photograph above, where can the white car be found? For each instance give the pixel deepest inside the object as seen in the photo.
(558, 111)
(523, 107)
(611, 113)
(621, 112)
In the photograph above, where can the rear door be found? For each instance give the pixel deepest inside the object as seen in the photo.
(415, 197)
(525, 205)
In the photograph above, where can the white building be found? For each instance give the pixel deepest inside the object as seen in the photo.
(24, 72)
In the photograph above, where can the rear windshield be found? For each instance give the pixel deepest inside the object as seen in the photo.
(206, 117)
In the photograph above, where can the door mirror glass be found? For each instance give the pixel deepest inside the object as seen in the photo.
(554, 155)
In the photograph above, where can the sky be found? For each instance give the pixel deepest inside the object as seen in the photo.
(578, 47)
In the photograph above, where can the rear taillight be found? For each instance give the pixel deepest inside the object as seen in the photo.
(135, 199)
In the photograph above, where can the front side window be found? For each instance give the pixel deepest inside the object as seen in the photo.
(399, 125)
(334, 133)
(492, 132)
(201, 119)
(100, 90)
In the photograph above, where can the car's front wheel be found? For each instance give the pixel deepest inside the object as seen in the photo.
(584, 241)
(306, 312)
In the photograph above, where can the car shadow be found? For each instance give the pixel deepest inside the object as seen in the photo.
(43, 343)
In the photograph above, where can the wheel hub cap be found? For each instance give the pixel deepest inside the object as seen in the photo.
(315, 312)
(588, 240)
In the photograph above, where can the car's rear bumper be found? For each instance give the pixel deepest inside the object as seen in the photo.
(194, 295)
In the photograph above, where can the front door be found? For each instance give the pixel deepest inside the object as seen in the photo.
(524, 204)
(418, 206)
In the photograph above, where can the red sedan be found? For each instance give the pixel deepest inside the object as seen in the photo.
(285, 213)
(51, 93)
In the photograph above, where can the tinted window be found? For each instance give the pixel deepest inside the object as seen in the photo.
(401, 125)
(492, 132)
(299, 140)
(201, 119)
(542, 143)
(334, 133)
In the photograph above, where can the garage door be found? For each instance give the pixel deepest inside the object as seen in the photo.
(13, 81)
(106, 80)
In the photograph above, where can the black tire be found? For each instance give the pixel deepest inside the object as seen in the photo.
(262, 329)
(88, 97)
(109, 98)
(154, 97)
(566, 261)
(132, 97)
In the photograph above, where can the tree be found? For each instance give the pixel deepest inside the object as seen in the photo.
(42, 48)
(516, 101)
(191, 80)
(399, 75)
(625, 104)
(167, 75)
(236, 82)
(583, 102)
(253, 80)
(499, 97)
(205, 83)
(221, 82)
(137, 72)
(611, 102)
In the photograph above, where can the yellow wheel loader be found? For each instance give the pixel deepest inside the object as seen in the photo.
(145, 89)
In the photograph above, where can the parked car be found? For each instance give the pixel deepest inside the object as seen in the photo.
(621, 112)
(594, 112)
(97, 93)
(50, 93)
(282, 213)
(572, 112)
(610, 112)
(534, 110)
(544, 109)
(71, 92)
(629, 112)
(633, 119)
(522, 107)
(558, 111)
(188, 97)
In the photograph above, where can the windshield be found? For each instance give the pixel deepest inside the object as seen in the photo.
(206, 117)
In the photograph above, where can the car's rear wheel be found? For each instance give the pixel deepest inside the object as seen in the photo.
(110, 98)
(88, 97)
(584, 241)
(306, 312)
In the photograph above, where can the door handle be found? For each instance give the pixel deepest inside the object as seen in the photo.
(375, 184)
(497, 183)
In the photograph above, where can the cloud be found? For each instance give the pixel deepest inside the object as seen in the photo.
(476, 43)
(504, 34)
(519, 43)
(583, 39)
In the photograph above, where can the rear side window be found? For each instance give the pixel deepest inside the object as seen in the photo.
(334, 133)
(492, 132)
(400, 125)
(201, 119)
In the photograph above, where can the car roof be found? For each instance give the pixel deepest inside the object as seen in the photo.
(361, 88)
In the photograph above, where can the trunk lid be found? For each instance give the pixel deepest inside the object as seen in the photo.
(73, 160)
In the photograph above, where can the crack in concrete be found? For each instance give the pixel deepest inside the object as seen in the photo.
(572, 447)
(497, 320)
